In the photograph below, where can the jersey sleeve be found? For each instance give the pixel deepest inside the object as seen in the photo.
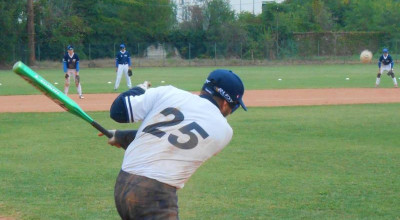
(140, 106)
(132, 105)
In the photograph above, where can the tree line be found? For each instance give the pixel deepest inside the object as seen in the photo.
(53, 24)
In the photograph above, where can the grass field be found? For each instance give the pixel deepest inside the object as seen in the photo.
(322, 162)
(190, 78)
(313, 162)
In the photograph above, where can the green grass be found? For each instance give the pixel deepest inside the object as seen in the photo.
(316, 162)
(96, 80)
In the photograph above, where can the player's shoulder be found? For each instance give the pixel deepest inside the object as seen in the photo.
(167, 89)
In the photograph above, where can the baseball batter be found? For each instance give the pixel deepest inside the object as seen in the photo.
(179, 132)
(71, 68)
(123, 65)
(385, 64)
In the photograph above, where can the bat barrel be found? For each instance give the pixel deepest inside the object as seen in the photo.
(55, 94)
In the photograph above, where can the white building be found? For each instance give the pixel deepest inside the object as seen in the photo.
(182, 8)
(252, 6)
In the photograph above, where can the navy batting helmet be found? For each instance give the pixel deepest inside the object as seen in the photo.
(227, 85)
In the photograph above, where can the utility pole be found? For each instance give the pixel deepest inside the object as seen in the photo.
(31, 33)
(277, 32)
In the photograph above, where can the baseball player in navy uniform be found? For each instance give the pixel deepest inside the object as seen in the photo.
(71, 69)
(179, 131)
(385, 64)
(123, 64)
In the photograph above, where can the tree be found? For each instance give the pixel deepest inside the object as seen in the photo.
(11, 30)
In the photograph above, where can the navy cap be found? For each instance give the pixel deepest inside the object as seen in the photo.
(227, 85)
(122, 46)
(385, 50)
(70, 47)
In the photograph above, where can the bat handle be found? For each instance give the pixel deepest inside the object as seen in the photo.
(101, 129)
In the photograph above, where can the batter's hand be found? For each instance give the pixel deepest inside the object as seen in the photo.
(121, 138)
(111, 141)
(145, 85)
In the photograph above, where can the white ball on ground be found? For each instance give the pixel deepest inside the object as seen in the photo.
(366, 56)
(280, 79)
(109, 82)
(55, 83)
(347, 78)
(1, 84)
(162, 81)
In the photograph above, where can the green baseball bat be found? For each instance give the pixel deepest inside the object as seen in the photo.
(55, 94)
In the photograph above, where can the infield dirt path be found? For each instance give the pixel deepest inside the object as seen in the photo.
(287, 97)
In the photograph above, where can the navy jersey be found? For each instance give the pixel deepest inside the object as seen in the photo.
(123, 58)
(71, 62)
(386, 61)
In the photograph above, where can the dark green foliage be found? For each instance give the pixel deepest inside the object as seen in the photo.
(210, 29)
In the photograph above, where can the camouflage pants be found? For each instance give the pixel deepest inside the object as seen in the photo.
(138, 197)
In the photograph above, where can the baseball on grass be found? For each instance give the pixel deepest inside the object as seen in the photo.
(365, 56)
(163, 81)
(109, 82)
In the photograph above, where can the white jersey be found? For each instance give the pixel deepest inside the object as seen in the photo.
(179, 132)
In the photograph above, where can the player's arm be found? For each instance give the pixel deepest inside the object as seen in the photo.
(380, 63)
(116, 61)
(65, 65)
(77, 64)
(129, 61)
(391, 62)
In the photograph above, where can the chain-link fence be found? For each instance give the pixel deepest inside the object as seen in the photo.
(303, 49)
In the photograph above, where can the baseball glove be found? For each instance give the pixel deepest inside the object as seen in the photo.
(66, 75)
(130, 73)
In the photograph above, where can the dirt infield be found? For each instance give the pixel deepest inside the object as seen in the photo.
(287, 97)
(7, 218)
